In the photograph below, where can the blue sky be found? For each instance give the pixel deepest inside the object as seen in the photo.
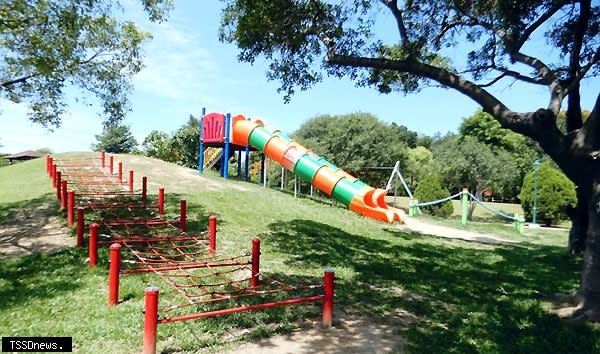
(187, 68)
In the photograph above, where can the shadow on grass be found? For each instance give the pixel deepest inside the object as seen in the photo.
(467, 298)
(39, 276)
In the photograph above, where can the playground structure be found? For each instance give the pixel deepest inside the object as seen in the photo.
(142, 241)
(240, 134)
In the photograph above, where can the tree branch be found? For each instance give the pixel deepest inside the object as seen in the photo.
(393, 6)
(7, 84)
(556, 90)
(537, 23)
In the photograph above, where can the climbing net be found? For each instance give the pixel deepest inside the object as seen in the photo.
(143, 241)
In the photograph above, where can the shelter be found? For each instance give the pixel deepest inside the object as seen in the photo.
(24, 155)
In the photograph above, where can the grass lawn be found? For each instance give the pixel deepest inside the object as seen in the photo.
(467, 297)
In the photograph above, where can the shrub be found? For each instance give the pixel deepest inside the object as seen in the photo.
(429, 189)
(555, 193)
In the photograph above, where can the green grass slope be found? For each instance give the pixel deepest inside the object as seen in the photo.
(465, 297)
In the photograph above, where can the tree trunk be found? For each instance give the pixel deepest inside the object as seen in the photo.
(579, 222)
(590, 280)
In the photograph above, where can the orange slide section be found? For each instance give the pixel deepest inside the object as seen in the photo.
(331, 180)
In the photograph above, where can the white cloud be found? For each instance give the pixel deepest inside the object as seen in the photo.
(176, 67)
(17, 133)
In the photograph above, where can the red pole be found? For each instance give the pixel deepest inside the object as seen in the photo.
(103, 158)
(63, 195)
(328, 278)
(113, 274)
(120, 172)
(80, 215)
(182, 215)
(70, 207)
(144, 188)
(48, 165)
(58, 184)
(212, 230)
(93, 245)
(110, 164)
(130, 181)
(150, 320)
(53, 176)
(254, 277)
(161, 201)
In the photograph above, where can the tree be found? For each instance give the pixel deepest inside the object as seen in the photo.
(50, 45)
(354, 142)
(554, 194)
(185, 143)
(299, 38)
(419, 163)
(484, 128)
(157, 144)
(469, 163)
(431, 188)
(115, 139)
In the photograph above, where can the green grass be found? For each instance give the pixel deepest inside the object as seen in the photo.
(467, 297)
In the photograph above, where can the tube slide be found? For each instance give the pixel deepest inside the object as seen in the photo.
(331, 180)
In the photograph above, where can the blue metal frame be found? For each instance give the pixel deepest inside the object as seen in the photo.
(201, 149)
(225, 157)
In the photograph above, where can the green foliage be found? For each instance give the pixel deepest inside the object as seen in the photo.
(418, 165)
(555, 192)
(51, 45)
(157, 145)
(468, 162)
(523, 151)
(297, 37)
(181, 148)
(429, 189)
(115, 139)
(354, 142)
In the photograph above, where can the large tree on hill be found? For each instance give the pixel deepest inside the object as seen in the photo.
(49, 46)
(303, 38)
(355, 142)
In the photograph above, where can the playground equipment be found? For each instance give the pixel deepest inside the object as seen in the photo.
(143, 242)
(328, 178)
(215, 142)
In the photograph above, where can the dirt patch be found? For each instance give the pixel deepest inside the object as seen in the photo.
(348, 335)
(415, 225)
(33, 230)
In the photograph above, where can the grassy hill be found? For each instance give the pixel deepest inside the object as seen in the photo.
(462, 297)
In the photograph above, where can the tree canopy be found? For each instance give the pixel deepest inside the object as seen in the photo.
(355, 142)
(115, 139)
(49, 46)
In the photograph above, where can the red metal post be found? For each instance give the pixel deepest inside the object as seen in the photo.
(93, 245)
(70, 207)
(110, 164)
(212, 231)
(161, 201)
(144, 188)
(130, 181)
(58, 184)
(254, 277)
(103, 158)
(80, 217)
(182, 215)
(50, 162)
(120, 175)
(150, 320)
(113, 274)
(328, 279)
(63, 195)
(48, 165)
(53, 176)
